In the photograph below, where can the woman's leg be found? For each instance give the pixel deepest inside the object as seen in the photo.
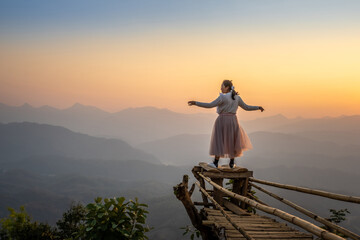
(231, 164)
(216, 160)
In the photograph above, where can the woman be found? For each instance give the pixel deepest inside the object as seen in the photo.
(228, 139)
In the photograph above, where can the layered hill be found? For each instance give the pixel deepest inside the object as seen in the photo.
(19, 140)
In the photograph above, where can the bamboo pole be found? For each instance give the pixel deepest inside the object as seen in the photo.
(336, 196)
(256, 199)
(277, 212)
(310, 214)
(236, 226)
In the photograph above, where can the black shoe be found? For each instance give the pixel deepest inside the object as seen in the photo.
(216, 162)
(231, 164)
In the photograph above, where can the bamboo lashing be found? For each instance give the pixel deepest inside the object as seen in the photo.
(310, 214)
(309, 191)
(277, 212)
(236, 226)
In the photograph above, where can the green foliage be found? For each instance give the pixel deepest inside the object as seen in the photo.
(114, 219)
(337, 216)
(18, 226)
(230, 184)
(105, 219)
(192, 231)
(249, 208)
(72, 221)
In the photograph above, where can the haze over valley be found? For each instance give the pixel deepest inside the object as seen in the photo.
(49, 160)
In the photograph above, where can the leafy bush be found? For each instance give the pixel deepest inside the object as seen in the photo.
(18, 226)
(193, 232)
(113, 219)
(105, 219)
(72, 221)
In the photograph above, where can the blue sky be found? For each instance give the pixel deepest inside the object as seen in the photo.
(17, 17)
(61, 52)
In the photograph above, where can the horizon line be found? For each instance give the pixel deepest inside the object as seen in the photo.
(148, 106)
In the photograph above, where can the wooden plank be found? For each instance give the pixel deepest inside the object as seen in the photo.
(264, 238)
(220, 218)
(240, 229)
(288, 233)
(308, 226)
(230, 175)
(237, 169)
(203, 204)
(206, 167)
(308, 213)
(272, 236)
(235, 209)
(250, 229)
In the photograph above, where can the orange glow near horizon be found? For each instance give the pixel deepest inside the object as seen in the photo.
(311, 76)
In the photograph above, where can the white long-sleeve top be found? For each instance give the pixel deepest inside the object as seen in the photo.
(225, 104)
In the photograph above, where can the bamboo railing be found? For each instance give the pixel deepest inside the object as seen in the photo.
(336, 196)
(277, 212)
(236, 226)
(310, 214)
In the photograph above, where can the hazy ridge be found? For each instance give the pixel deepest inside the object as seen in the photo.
(50, 157)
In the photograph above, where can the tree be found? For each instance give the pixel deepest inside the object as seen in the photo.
(18, 226)
(72, 221)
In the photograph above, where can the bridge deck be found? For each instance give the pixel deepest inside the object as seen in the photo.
(258, 227)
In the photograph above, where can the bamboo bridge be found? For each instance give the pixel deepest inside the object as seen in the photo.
(225, 213)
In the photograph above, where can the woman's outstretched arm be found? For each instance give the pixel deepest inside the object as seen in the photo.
(246, 107)
(212, 104)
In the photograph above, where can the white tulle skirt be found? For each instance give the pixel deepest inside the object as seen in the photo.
(228, 139)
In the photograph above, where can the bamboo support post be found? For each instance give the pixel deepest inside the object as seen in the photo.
(244, 192)
(309, 191)
(236, 188)
(181, 192)
(218, 195)
(202, 182)
(310, 214)
(236, 226)
(277, 212)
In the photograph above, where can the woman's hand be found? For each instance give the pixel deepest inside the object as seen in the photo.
(190, 103)
(262, 109)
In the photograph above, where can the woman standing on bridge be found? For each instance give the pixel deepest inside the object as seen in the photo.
(228, 139)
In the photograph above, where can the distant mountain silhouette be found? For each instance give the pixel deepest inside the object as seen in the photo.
(267, 123)
(269, 149)
(21, 140)
(45, 167)
(184, 149)
(144, 124)
(279, 123)
(134, 125)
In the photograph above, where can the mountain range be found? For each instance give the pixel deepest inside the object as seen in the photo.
(134, 125)
(140, 125)
(19, 140)
(51, 157)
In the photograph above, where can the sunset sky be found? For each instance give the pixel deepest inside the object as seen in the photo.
(294, 57)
